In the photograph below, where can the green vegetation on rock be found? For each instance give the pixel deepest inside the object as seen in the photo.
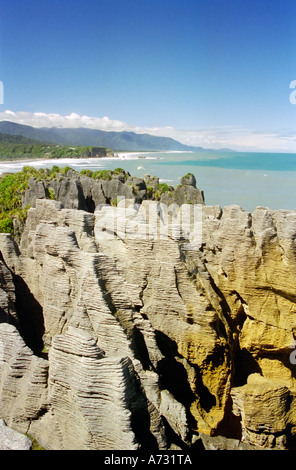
(14, 185)
(6, 225)
(160, 189)
(35, 443)
(105, 174)
(12, 189)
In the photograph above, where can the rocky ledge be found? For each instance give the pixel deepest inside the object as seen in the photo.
(125, 338)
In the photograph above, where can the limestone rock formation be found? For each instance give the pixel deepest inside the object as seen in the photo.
(143, 329)
(79, 191)
(8, 313)
(80, 377)
(13, 440)
(267, 411)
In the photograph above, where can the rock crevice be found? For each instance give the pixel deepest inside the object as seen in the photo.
(145, 340)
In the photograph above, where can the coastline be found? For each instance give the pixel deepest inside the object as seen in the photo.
(116, 156)
(248, 188)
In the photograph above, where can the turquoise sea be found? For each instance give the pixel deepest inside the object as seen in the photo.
(246, 179)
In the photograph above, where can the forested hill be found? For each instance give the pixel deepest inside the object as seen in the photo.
(14, 147)
(17, 139)
(117, 141)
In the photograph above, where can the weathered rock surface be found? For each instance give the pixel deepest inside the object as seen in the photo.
(80, 377)
(155, 339)
(8, 313)
(13, 440)
(79, 191)
(267, 411)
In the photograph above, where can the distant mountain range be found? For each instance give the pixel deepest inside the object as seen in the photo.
(117, 141)
(17, 139)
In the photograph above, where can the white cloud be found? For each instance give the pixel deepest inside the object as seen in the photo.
(234, 137)
(10, 113)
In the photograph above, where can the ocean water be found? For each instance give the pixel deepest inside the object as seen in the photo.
(246, 179)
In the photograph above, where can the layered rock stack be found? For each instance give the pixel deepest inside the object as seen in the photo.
(81, 191)
(138, 336)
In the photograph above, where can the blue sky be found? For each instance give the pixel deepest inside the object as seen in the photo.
(214, 73)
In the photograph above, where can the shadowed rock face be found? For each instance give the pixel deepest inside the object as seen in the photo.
(150, 342)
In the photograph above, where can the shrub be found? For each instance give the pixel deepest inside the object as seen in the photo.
(6, 225)
(102, 175)
(50, 193)
(114, 202)
(12, 187)
(88, 173)
(66, 169)
(162, 188)
(150, 192)
(118, 171)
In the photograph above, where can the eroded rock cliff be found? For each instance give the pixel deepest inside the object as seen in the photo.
(137, 336)
(86, 190)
